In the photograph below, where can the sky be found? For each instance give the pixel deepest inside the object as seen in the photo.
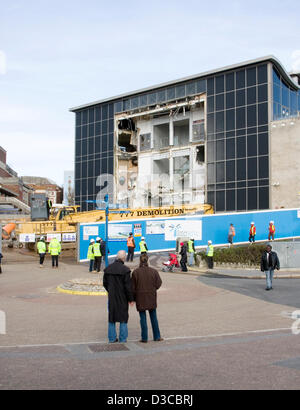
(55, 55)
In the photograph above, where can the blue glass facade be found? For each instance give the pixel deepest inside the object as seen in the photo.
(286, 101)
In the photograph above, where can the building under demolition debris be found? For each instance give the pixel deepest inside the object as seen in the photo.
(209, 138)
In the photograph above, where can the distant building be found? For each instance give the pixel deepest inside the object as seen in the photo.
(69, 193)
(10, 183)
(42, 185)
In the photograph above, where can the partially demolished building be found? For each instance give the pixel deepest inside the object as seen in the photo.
(202, 139)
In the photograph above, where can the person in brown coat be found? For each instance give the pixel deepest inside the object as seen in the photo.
(145, 283)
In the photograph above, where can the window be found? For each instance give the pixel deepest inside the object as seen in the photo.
(229, 81)
(219, 84)
(240, 79)
(251, 76)
(230, 148)
(219, 102)
(230, 171)
(230, 100)
(240, 98)
(262, 74)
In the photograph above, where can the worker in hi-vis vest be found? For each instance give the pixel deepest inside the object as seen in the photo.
(191, 251)
(143, 246)
(252, 233)
(42, 250)
(130, 247)
(54, 250)
(97, 254)
(271, 231)
(210, 255)
(90, 255)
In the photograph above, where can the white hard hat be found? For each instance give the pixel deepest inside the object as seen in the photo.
(142, 238)
(252, 223)
(42, 237)
(98, 239)
(209, 241)
(271, 222)
(92, 240)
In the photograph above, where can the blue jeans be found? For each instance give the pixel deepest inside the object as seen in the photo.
(269, 278)
(112, 334)
(91, 265)
(154, 324)
(191, 259)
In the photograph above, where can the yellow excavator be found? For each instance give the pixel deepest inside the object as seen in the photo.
(64, 219)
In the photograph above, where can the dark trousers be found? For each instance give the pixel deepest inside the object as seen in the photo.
(130, 253)
(183, 266)
(210, 262)
(54, 260)
(154, 324)
(97, 264)
(42, 258)
(91, 265)
(252, 238)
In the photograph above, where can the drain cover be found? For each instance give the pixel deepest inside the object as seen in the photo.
(110, 347)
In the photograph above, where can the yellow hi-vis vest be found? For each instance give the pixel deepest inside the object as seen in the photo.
(142, 246)
(97, 251)
(190, 247)
(210, 250)
(90, 254)
(41, 247)
(54, 247)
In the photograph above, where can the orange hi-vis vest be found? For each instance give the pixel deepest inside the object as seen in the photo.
(272, 228)
(252, 230)
(130, 242)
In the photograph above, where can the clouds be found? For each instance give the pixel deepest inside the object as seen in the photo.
(3, 67)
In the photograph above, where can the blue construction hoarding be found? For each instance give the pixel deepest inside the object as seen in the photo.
(161, 233)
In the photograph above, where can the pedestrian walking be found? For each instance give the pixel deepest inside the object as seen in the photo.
(271, 235)
(269, 262)
(42, 250)
(54, 250)
(191, 252)
(117, 282)
(91, 255)
(145, 283)
(183, 260)
(130, 247)
(252, 232)
(143, 246)
(231, 234)
(98, 255)
(210, 255)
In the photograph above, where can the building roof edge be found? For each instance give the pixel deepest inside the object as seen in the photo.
(269, 58)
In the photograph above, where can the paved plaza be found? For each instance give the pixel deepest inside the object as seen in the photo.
(220, 332)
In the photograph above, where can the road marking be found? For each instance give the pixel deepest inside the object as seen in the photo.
(209, 336)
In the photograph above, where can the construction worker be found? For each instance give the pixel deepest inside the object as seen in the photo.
(252, 233)
(231, 234)
(90, 255)
(97, 254)
(49, 206)
(191, 251)
(143, 246)
(130, 247)
(54, 250)
(42, 249)
(271, 231)
(210, 255)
